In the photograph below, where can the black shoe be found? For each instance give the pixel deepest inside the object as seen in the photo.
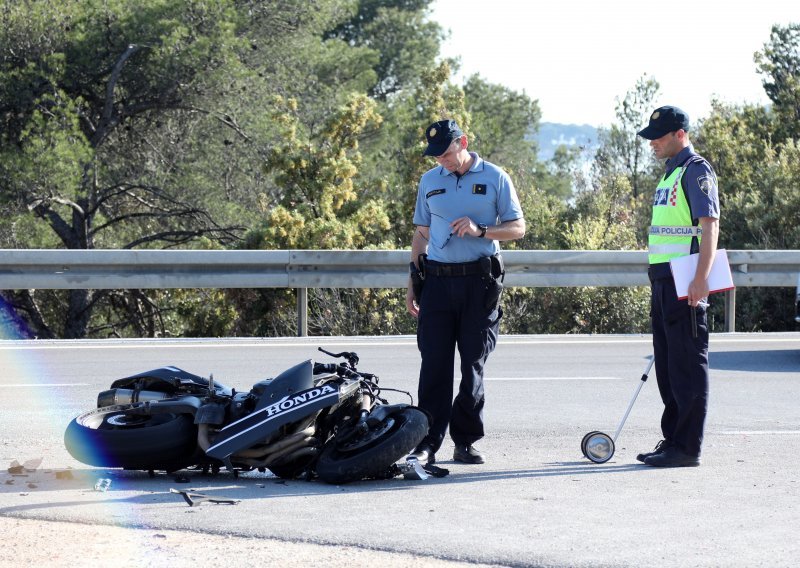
(673, 457)
(424, 454)
(467, 454)
(660, 447)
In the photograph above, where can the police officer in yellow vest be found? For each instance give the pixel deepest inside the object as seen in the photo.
(685, 221)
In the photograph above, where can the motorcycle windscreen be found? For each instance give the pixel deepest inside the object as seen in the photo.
(256, 427)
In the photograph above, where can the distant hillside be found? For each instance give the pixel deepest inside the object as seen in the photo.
(552, 135)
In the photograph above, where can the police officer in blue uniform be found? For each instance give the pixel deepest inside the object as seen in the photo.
(465, 205)
(685, 220)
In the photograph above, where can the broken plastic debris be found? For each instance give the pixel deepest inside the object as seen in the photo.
(196, 498)
(16, 468)
(102, 484)
(32, 465)
(411, 469)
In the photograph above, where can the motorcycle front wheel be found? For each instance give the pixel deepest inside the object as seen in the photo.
(392, 439)
(107, 437)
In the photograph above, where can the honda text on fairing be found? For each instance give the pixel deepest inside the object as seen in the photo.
(314, 419)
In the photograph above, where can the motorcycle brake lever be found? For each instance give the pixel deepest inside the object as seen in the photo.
(351, 357)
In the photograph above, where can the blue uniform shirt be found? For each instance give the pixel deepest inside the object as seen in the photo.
(485, 194)
(699, 182)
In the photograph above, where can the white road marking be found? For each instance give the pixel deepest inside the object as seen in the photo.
(28, 385)
(757, 432)
(279, 342)
(552, 378)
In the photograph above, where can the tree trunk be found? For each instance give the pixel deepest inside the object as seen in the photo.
(78, 313)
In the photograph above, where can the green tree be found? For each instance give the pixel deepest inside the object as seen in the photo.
(621, 150)
(321, 205)
(318, 176)
(503, 121)
(779, 64)
(561, 175)
(394, 162)
(759, 198)
(399, 32)
(141, 124)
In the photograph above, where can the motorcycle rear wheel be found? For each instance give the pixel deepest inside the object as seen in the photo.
(107, 437)
(372, 460)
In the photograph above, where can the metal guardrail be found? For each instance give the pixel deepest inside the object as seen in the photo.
(303, 269)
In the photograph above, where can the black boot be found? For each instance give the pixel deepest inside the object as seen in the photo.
(467, 454)
(424, 454)
(673, 457)
(660, 447)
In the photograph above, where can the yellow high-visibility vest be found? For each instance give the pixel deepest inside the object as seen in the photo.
(671, 226)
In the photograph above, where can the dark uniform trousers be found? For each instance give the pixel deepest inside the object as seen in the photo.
(681, 362)
(453, 313)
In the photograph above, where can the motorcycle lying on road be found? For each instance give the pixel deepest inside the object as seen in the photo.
(314, 419)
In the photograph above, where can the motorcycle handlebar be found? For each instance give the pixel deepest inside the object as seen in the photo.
(337, 368)
(326, 368)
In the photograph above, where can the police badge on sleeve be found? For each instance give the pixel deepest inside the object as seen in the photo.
(707, 183)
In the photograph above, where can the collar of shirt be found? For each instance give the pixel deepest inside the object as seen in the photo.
(679, 158)
(477, 166)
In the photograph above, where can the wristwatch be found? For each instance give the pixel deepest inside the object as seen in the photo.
(483, 228)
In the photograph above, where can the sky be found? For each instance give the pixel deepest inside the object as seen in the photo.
(577, 57)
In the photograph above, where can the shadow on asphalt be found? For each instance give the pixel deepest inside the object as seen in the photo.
(156, 490)
(553, 470)
(769, 361)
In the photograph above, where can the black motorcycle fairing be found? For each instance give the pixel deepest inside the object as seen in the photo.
(177, 405)
(170, 379)
(210, 413)
(260, 424)
(292, 380)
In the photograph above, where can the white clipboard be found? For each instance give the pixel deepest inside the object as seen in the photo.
(684, 268)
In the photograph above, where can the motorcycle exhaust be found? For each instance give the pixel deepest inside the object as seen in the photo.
(286, 444)
(127, 396)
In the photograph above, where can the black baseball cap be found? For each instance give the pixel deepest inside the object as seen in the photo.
(440, 135)
(664, 120)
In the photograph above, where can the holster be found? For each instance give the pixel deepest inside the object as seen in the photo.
(418, 276)
(495, 274)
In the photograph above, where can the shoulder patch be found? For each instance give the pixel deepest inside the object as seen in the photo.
(434, 192)
(479, 188)
(706, 183)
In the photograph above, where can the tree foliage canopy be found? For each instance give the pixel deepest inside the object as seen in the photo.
(295, 124)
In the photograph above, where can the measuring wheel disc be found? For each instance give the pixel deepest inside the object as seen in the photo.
(586, 439)
(599, 447)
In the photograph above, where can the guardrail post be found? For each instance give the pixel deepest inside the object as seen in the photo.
(730, 310)
(302, 312)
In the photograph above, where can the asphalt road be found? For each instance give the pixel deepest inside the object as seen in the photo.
(536, 502)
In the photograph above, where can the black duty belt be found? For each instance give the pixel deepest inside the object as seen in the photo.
(456, 268)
